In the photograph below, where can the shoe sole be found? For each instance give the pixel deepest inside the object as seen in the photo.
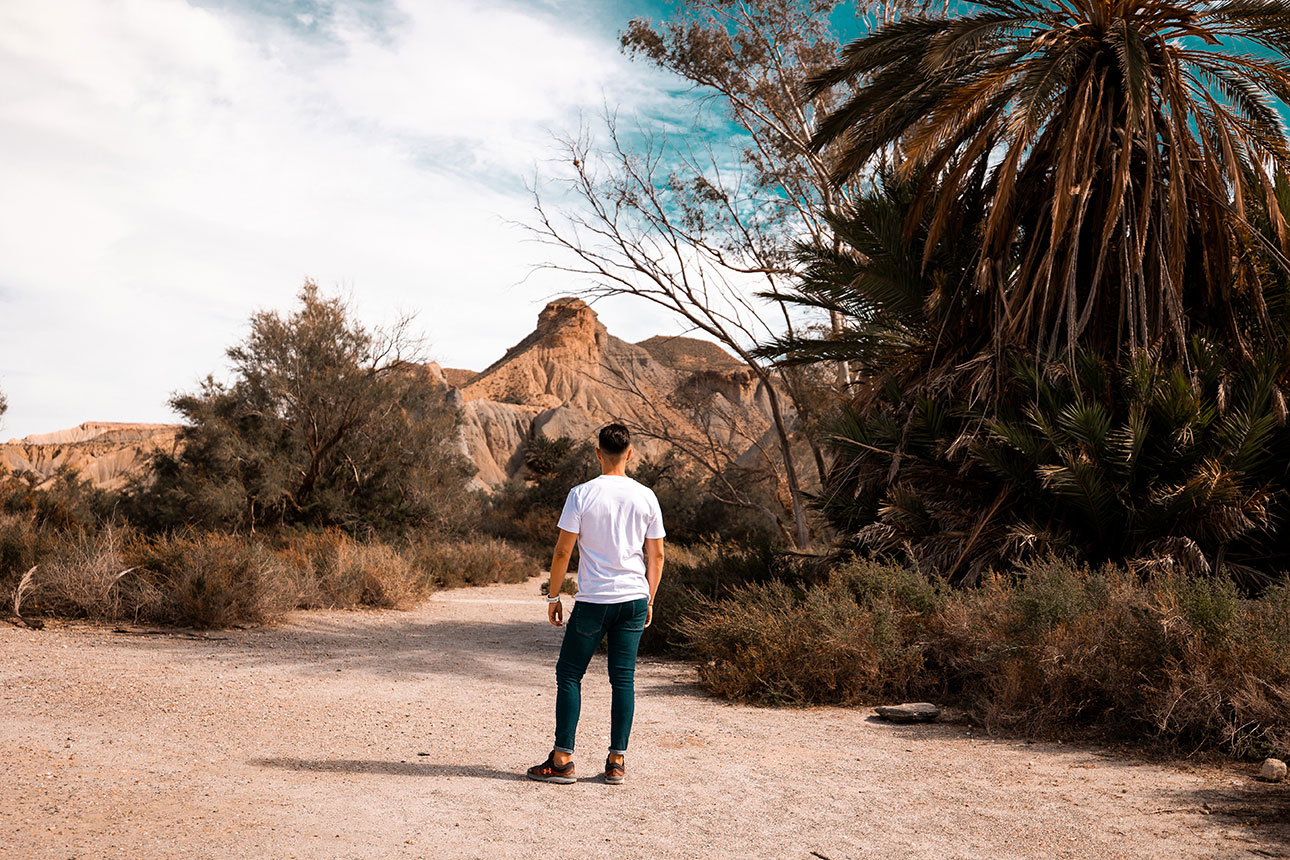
(614, 780)
(558, 780)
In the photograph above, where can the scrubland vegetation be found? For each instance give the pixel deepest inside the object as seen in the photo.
(1054, 648)
(324, 474)
(206, 579)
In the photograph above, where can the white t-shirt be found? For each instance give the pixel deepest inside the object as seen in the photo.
(612, 516)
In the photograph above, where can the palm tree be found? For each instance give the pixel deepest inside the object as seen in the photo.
(1122, 142)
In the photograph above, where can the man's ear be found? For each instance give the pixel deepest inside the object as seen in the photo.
(630, 451)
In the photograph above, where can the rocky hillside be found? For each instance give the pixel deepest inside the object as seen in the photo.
(569, 377)
(106, 453)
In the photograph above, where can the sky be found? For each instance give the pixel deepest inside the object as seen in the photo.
(171, 167)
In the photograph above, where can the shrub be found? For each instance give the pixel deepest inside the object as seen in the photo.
(213, 580)
(1056, 647)
(840, 642)
(63, 501)
(333, 570)
(525, 512)
(526, 509)
(704, 571)
(1182, 660)
(470, 561)
(22, 545)
(86, 575)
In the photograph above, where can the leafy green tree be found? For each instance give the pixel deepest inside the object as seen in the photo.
(1150, 459)
(1123, 143)
(1140, 462)
(325, 422)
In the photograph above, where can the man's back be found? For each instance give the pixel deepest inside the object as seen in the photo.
(618, 527)
(612, 515)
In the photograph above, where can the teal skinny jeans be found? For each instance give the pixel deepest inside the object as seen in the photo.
(588, 623)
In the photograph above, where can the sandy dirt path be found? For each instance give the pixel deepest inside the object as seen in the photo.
(306, 741)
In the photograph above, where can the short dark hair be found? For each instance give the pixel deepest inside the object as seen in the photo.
(614, 439)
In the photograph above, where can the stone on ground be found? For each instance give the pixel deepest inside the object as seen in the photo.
(1273, 770)
(910, 712)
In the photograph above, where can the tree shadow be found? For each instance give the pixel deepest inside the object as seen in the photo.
(672, 688)
(1245, 811)
(386, 767)
(1260, 811)
(505, 650)
(402, 648)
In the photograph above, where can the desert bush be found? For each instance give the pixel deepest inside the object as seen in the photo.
(65, 500)
(456, 562)
(702, 572)
(385, 578)
(527, 508)
(86, 574)
(1186, 661)
(325, 423)
(1058, 646)
(22, 545)
(332, 570)
(849, 639)
(212, 580)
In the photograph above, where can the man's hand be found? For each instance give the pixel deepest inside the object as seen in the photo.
(564, 545)
(649, 614)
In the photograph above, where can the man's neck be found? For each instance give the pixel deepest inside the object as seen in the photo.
(617, 472)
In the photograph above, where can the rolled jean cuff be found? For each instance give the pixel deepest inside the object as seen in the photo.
(613, 751)
(563, 750)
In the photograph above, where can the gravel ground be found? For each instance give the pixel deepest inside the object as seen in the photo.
(405, 734)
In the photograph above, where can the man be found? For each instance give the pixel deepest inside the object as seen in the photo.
(618, 528)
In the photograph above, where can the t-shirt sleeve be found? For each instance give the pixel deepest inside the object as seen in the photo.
(655, 529)
(571, 516)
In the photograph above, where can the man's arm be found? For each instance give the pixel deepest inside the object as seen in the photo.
(564, 545)
(653, 571)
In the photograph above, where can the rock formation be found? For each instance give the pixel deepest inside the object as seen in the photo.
(570, 377)
(106, 453)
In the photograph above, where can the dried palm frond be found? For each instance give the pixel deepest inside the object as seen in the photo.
(1123, 143)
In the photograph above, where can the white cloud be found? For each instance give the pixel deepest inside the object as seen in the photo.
(168, 169)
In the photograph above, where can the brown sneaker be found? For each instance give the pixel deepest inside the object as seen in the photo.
(549, 771)
(615, 772)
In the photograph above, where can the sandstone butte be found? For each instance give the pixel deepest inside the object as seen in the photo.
(567, 378)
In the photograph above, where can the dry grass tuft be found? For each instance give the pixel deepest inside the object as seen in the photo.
(83, 577)
(471, 561)
(333, 570)
(21, 590)
(212, 580)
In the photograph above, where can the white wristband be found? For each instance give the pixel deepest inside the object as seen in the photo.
(555, 599)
